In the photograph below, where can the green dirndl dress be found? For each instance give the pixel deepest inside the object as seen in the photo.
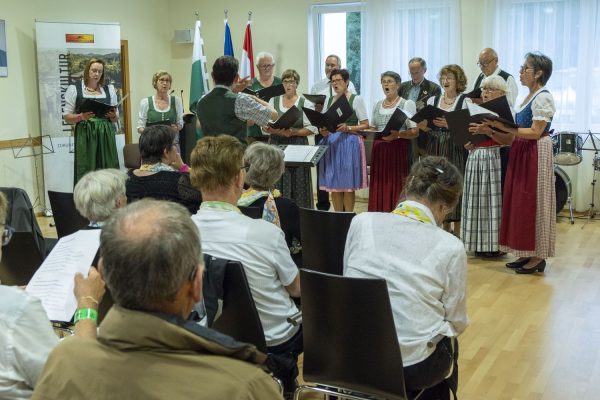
(95, 145)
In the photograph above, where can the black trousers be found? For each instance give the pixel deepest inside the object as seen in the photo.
(322, 196)
(430, 374)
(283, 361)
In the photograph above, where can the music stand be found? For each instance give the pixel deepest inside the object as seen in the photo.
(591, 211)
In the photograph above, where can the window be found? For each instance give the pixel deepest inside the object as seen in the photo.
(335, 29)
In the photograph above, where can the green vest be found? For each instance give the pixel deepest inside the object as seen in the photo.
(216, 112)
(353, 119)
(155, 115)
(254, 130)
(299, 124)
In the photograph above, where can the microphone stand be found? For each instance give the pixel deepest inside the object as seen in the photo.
(592, 211)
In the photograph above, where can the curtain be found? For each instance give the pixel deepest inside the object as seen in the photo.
(566, 31)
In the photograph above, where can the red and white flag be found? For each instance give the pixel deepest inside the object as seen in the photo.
(247, 62)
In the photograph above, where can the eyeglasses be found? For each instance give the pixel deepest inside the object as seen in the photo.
(245, 167)
(485, 63)
(388, 82)
(7, 234)
(488, 89)
(337, 80)
(286, 82)
(266, 66)
(447, 78)
(524, 68)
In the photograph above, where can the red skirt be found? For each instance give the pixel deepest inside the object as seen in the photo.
(519, 205)
(389, 168)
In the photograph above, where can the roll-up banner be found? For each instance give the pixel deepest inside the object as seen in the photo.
(63, 49)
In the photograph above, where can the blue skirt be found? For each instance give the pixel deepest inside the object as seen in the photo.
(343, 168)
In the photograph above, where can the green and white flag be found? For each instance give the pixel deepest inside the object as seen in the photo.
(199, 82)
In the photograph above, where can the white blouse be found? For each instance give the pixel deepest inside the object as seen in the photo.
(542, 108)
(71, 97)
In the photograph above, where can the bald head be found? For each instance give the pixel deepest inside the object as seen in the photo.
(149, 249)
(488, 61)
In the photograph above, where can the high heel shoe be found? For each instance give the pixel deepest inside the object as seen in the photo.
(517, 264)
(539, 267)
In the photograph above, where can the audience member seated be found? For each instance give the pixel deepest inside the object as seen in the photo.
(26, 335)
(264, 165)
(99, 194)
(218, 171)
(427, 284)
(152, 263)
(162, 175)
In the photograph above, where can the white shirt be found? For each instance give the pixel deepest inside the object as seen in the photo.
(426, 273)
(26, 339)
(542, 108)
(260, 247)
(513, 89)
(71, 97)
(143, 115)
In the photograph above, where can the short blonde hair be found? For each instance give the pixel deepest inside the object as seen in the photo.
(495, 82)
(291, 74)
(158, 74)
(216, 162)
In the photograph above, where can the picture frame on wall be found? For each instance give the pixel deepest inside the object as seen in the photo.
(3, 58)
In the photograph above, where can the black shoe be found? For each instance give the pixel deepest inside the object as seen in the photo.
(517, 264)
(539, 267)
(493, 254)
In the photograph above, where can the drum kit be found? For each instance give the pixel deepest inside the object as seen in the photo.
(567, 148)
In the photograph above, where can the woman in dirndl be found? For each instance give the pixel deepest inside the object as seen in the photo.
(482, 193)
(95, 146)
(528, 226)
(390, 155)
(162, 108)
(343, 168)
(440, 142)
(296, 182)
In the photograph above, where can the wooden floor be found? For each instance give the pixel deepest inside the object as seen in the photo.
(532, 337)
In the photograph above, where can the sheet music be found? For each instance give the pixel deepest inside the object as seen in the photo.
(53, 282)
(300, 153)
(475, 109)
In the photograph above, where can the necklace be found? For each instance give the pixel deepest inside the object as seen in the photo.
(90, 90)
(387, 103)
(444, 99)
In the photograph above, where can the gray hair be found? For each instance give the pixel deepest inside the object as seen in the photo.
(149, 249)
(495, 82)
(419, 60)
(338, 59)
(96, 193)
(265, 164)
(264, 54)
(540, 62)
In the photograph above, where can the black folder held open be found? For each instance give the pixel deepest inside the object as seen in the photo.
(98, 107)
(429, 113)
(395, 123)
(267, 93)
(338, 113)
(315, 98)
(287, 119)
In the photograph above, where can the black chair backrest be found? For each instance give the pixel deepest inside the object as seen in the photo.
(323, 239)
(349, 335)
(239, 318)
(21, 217)
(187, 137)
(66, 217)
(21, 257)
(252, 212)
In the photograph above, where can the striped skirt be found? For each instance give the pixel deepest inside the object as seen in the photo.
(482, 200)
(440, 143)
(517, 236)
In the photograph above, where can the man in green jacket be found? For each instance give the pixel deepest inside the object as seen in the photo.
(146, 349)
(223, 111)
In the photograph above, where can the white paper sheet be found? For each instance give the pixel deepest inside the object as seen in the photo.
(53, 282)
(300, 153)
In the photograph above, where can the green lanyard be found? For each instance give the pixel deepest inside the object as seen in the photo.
(219, 206)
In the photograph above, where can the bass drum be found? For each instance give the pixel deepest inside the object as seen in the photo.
(562, 185)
